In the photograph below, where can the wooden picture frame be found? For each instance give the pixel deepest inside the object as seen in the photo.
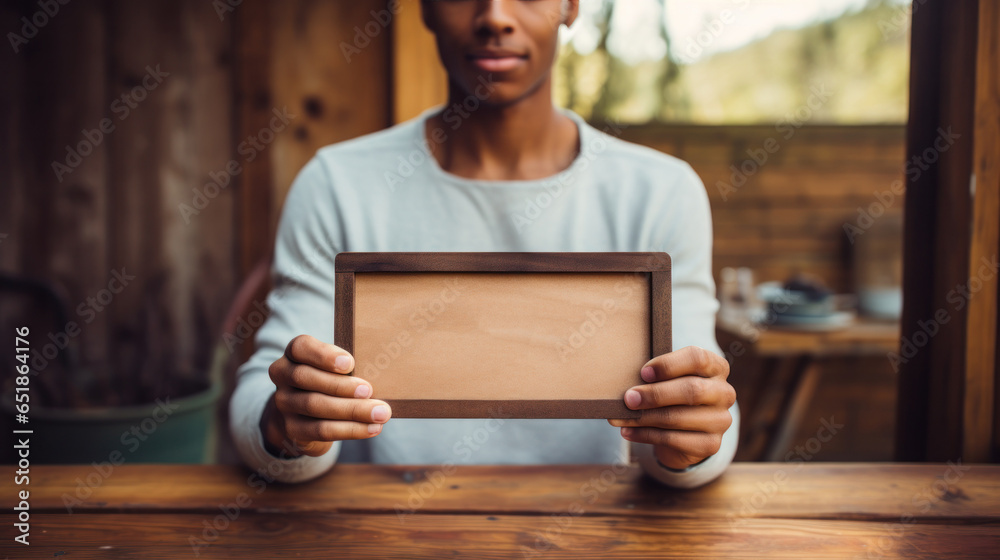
(515, 335)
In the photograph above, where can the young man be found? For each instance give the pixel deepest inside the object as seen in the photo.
(467, 178)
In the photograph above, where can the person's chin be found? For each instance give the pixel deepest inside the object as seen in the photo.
(507, 92)
(506, 96)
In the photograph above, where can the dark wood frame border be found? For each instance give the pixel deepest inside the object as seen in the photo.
(654, 264)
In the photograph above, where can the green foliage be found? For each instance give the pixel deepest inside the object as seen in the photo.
(862, 58)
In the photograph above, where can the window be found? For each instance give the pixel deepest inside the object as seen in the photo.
(736, 61)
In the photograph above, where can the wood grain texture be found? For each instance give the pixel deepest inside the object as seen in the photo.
(863, 338)
(769, 369)
(343, 325)
(982, 419)
(661, 314)
(483, 328)
(789, 216)
(502, 262)
(59, 231)
(936, 234)
(419, 80)
(418, 535)
(334, 93)
(253, 38)
(290, 56)
(485, 338)
(795, 490)
(510, 408)
(600, 511)
(117, 211)
(165, 150)
(136, 235)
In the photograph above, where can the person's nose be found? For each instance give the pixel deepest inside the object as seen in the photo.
(495, 17)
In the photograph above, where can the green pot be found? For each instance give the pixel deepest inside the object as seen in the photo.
(180, 430)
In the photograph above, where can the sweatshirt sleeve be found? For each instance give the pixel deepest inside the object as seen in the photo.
(686, 234)
(300, 302)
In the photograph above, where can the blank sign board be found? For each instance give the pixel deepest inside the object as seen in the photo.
(523, 335)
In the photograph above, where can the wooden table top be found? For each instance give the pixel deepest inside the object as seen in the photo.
(758, 510)
(863, 337)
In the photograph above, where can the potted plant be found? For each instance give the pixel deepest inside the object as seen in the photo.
(79, 413)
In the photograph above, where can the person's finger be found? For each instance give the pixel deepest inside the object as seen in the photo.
(690, 390)
(692, 444)
(674, 459)
(690, 360)
(324, 407)
(308, 430)
(285, 373)
(688, 418)
(305, 349)
(314, 448)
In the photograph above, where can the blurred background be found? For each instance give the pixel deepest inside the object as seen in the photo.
(147, 148)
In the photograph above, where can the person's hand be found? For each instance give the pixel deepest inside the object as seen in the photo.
(685, 406)
(316, 402)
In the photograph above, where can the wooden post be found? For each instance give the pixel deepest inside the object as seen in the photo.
(946, 407)
(982, 422)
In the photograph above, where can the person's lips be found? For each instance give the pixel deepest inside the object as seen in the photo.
(496, 60)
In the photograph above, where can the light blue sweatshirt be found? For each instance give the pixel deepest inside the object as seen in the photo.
(385, 192)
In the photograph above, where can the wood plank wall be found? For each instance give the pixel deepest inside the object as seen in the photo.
(789, 215)
(120, 208)
(328, 63)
